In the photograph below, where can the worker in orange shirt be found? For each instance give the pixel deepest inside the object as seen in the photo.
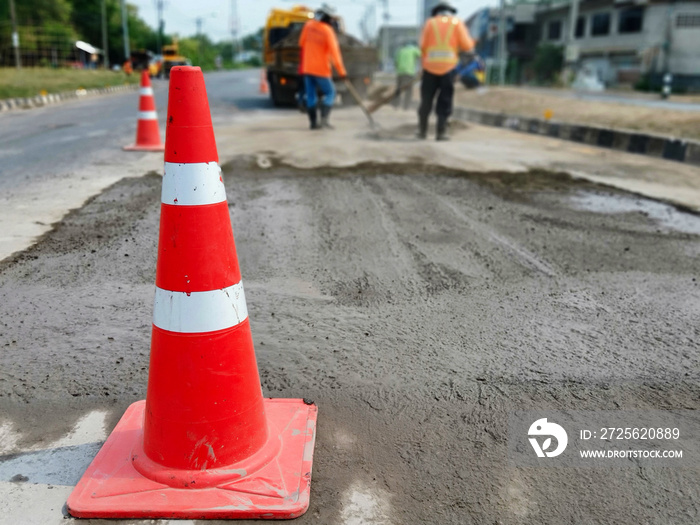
(444, 36)
(320, 49)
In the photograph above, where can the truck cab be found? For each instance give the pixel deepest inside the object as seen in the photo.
(172, 58)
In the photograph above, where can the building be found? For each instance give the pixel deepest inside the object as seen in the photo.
(522, 36)
(483, 28)
(626, 40)
(623, 41)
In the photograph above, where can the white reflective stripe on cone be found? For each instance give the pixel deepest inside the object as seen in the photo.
(148, 115)
(192, 184)
(146, 91)
(198, 312)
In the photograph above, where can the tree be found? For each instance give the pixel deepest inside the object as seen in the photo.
(548, 62)
(141, 35)
(200, 50)
(253, 41)
(43, 27)
(48, 30)
(87, 19)
(39, 12)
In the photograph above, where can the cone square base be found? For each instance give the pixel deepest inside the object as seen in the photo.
(112, 487)
(138, 147)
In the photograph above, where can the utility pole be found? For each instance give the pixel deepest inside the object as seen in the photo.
(385, 36)
(364, 24)
(573, 19)
(159, 34)
(570, 51)
(125, 32)
(15, 35)
(199, 21)
(502, 49)
(234, 30)
(368, 25)
(105, 48)
(667, 78)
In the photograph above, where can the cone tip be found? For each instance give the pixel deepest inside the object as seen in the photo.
(186, 69)
(189, 136)
(145, 79)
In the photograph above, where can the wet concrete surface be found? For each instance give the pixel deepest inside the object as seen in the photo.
(417, 306)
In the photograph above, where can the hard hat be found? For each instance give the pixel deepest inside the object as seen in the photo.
(327, 10)
(443, 6)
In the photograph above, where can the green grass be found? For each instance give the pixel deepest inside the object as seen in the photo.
(29, 82)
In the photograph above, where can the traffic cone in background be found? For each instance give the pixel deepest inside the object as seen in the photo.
(204, 443)
(264, 88)
(147, 133)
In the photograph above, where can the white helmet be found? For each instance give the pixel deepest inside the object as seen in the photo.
(326, 10)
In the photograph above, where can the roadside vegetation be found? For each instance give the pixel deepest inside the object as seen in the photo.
(48, 32)
(29, 82)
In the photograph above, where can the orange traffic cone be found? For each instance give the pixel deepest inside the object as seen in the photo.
(264, 88)
(147, 133)
(204, 444)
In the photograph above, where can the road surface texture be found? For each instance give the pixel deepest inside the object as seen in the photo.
(419, 293)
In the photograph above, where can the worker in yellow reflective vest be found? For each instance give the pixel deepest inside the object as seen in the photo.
(444, 37)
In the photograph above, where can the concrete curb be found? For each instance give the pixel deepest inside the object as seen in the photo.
(670, 148)
(46, 100)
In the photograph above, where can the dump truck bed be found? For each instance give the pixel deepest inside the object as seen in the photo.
(283, 74)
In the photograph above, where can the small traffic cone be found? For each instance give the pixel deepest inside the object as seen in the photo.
(264, 88)
(204, 443)
(147, 133)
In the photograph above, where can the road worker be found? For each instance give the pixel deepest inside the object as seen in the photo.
(405, 62)
(320, 49)
(444, 36)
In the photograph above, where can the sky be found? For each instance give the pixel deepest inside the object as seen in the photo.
(180, 15)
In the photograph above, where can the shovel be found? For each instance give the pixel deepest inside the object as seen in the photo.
(393, 94)
(358, 99)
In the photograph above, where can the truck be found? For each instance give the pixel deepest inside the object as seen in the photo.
(172, 58)
(142, 59)
(281, 55)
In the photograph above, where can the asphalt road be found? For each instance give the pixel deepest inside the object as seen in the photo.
(55, 158)
(37, 145)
